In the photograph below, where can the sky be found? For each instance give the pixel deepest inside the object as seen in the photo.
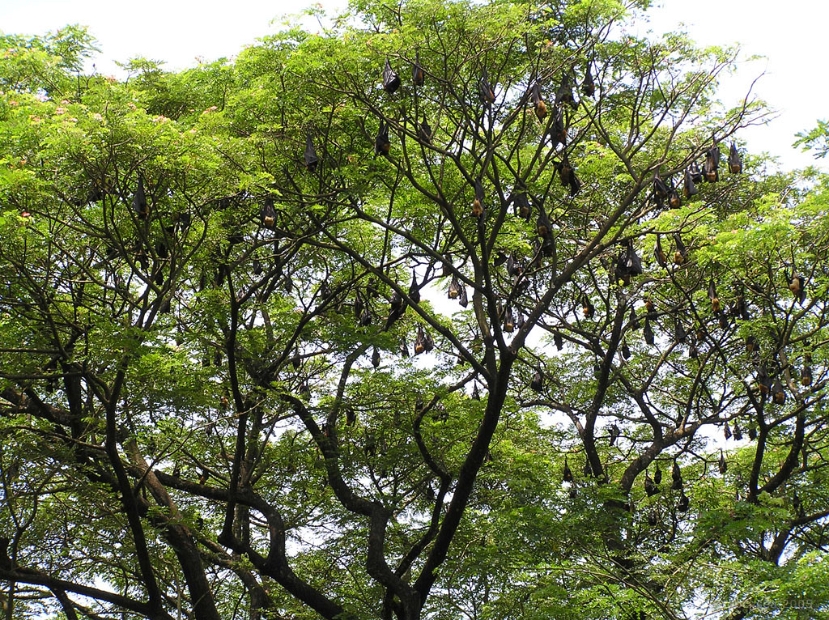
(182, 32)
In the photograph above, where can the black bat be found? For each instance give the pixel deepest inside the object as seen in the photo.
(659, 253)
(424, 132)
(414, 289)
(806, 375)
(311, 159)
(420, 341)
(797, 285)
(537, 101)
(683, 503)
(778, 395)
(681, 253)
(548, 246)
(722, 465)
(625, 350)
(566, 474)
(418, 75)
(680, 335)
(738, 432)
(542, 224)
(375, 358)
(478, 202)
(485, 91)
(381, 141)
(463, 300)
(689, 187)
(391, 81)
(630, 260)
(634, 320)
(454, 288)
(509, 320)
(522, 206)
(710, 168)
(726, 430)
(558, 132)
(657, 475)
(476, 393)
(660, 191)
(588, 85)
(676, 477)
(587, 307)
(651, 489)
(614, 433)
(139, 200)
(735, 162)
(567, 175)
(537, 382)
(712, 295)
(564, 94)
(268, 214)
(674, 200)
(558, 341)
(648, 333)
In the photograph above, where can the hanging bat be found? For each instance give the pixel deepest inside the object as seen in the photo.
(519, 320)
(674, 200)
(558, 131)
(683, 503)
(537, 382)
(542, 224)
(689, 187)
(485, 91)
(681, 253)
(634, 320)
(365, 317)
(350, 415)
(454, 288)
(548, 247)
(538, 103)
(391, 81)
(680, 335)
(424, 132)
(566, 475)
(723, 466)
(625, 350)
(650, 309)
(738, 432)
(648, 333)
(382, 146)
(311, 159)
(305, 390)
(404, 349)
(778, 395)
(631, 261)
(257, 267)
(764, 381)
(660, 191)
(268, 214)
(676, 477)
(651, 489)
(478, 202)
(735, 162)
(614, 433)
(659, 253)
(463, 300)
(418, 75)
(712, 295)
(564, 94)
(726, 431)
(420, 341)
(139, 200)
(558, 341)
(509, 320)
(806, 376)
(514, 267)
(375, 358)
(588, 85)
(752, 431)
(414, 289)
(710, 168)
(797, 285)
(587, 308)
(657, 475)
(522, 206)
(567, 176)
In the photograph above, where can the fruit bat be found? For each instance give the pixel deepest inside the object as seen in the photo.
(676, 477)
(566, 474)
(538, 103)
(629, 262)
(424, 133)
(657, 475)
(738, 432)
(513, 266)
(696, 173)
(257, 267)
(365, 318)
(806, 376)
(423, 342)
(485, 91)
(735, 162)
(558, 341)
(650, 309)
(522, 206)
(463, 300)
(681, 253)
(689, 187)
(404, 349)
(414, 289)
(674, 200)
(305, 390)
(375, 358)
(548, 246)
(588, 85)
(625, 350)
(558, 131)
(726, 431)
(296, 360)
(567, 176)
(454, 288)
(797, 285)
(391, 81)
(139, 200)
(653, 517)
(519, 320)
(712, 295)
(660, 191)
(659, 253)
(752, 431)
(350, 415)
(418, 75)
(311, 159)
(268, 214)
(564, 94)
(382, 146)
(648, 333)
(634, 320)
(710, 168)
(763, 380)
(651, 489)
(509, 320)
(542, 224)
(476, 393)
(537, 382)
(723, 466)
(614, 433)
(478, 202)
(683, 503)
(680, 335)
(751, 344)
(778, 395)
(587, 308)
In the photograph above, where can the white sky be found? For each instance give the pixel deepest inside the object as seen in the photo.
(789, 35)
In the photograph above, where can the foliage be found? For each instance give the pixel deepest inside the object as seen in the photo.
(233, 385)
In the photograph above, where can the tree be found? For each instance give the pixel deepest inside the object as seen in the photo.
(215, 281)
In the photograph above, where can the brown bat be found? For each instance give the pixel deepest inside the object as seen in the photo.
(391, 81)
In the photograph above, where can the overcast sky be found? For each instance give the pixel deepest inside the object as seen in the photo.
(182, 31)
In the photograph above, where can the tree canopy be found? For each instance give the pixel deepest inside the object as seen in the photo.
(450, 310)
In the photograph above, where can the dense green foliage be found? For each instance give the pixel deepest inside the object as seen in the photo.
(233, 385)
